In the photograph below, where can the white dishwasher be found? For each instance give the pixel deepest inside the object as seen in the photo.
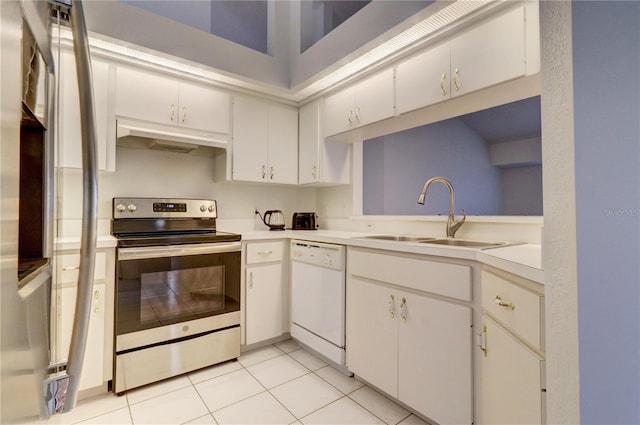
(318, 297)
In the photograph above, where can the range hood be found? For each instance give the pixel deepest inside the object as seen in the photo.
(167, 137)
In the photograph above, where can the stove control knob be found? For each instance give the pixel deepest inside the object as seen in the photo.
(132, 208)
(203, 208)
(212, 208)
(121, 208)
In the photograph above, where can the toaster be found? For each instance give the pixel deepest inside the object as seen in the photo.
(304, 221)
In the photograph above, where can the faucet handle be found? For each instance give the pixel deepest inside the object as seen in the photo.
(455, 224)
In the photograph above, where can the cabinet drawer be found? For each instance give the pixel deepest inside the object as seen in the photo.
(264, 252)
(67, 266)
(521, 310)
(449, 280)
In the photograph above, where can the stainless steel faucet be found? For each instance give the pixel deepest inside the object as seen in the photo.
(452, 224)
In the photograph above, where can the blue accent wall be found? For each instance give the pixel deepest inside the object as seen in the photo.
(450, 149)
(606, 77)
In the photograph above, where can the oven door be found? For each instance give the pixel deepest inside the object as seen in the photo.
(165, 293)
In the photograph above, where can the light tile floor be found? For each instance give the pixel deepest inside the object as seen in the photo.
(278, 384)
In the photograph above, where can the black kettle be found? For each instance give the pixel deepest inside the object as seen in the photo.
(273, 218)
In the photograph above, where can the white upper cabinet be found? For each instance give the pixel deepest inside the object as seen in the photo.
(366, 102)
(204, 108)
(502, 48)
(250, 124)
(149, 96)
(69, 153)
(283, 145)
(321, 162)
(265, 142)
(424, 79)
(491, 53)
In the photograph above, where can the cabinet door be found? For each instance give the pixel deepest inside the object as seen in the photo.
(320, 161)
(309, 142)
(511, 379)
(146, 96)
(423, 79)
(264, 302)
(283, 145)
(204, 108)
(250, 127)
(70, 140)
(435, 358)
(93, 366)
(489, 54)
(338, 112)
(372, 333)
(375, 99)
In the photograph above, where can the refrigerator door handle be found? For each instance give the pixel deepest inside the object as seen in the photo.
(89, 204)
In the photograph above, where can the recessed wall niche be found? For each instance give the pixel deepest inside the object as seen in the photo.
(492, 158)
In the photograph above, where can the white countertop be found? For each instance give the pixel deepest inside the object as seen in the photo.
(523, 260)
(69, 243)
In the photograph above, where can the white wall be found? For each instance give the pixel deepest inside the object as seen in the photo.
(149, 173)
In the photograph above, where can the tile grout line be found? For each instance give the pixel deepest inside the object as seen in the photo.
(210, 413)
(365, 408)
(272, 395)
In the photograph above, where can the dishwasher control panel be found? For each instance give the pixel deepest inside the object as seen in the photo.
(331, 256)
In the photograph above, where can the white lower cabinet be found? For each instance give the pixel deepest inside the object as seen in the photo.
(93, 367)
(97, 367)
(266, 292)
(512, 378)
(414, 345)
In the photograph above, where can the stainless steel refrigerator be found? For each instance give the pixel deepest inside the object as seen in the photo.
(30, 387)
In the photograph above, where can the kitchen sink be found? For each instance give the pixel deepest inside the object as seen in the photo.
(465, 243)
(399, 238)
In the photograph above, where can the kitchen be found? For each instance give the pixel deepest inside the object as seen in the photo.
(336, 205)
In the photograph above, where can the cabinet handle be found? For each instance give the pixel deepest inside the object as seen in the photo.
(264, 172)
(481, 340)
(66, 269)
(184, 114)
(358, 115)
(499, 301)
(392, 306)
(271, 172)
(173, 111)
(442, 80)
(313, 172)
(455, 79)
(250, 280)
(96, 296)
(350, 117)
(403, 310)
(265, 252)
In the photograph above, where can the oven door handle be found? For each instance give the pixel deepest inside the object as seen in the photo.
(176, 250)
